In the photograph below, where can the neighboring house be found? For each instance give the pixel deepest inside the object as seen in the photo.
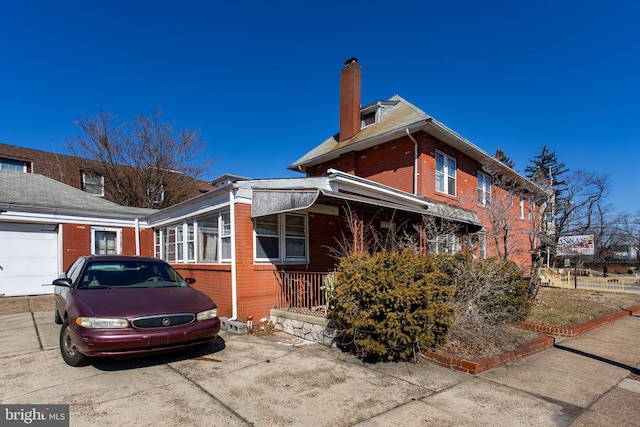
(45, 225)
(86, 174)
(625, 253)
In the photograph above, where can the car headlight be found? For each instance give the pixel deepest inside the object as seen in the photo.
(102, 323)
(207, 314)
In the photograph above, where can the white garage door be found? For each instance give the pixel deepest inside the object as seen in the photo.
(28, 258)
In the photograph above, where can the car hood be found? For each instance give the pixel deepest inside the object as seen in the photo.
(135, 302)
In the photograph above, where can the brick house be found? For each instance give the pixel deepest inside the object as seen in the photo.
(253, 245)
(88, 175)
(394, 143)
(45, 225)
(258, 244)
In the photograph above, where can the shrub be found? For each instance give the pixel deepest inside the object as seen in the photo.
(490, 288)
(390, 304)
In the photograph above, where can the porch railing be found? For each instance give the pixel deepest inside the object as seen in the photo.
(304, 292)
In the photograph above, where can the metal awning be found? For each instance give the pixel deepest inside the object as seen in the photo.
(269, 202)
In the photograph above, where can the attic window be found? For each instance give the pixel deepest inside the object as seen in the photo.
(368, 118)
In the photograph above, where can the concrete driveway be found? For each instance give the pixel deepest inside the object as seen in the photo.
(278, 381)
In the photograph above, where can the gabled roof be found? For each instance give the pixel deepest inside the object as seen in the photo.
(400, 116)
(32, 192)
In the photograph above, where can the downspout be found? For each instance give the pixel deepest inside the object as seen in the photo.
(234, 280)
(415, 162)
(137, 222)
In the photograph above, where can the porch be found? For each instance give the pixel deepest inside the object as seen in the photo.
(302, 302)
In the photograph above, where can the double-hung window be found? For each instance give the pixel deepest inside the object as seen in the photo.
(445, 174)
(281, 238)
(267, 238)
(105, 241)
(93, 183)
(484, 189)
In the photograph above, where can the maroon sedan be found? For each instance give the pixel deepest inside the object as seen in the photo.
(115, 305)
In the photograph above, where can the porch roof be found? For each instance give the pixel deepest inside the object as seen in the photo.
(272, 201)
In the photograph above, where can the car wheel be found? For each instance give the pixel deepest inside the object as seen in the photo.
(56, 317)
(69, 352)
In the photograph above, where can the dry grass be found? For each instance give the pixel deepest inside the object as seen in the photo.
(561, 308)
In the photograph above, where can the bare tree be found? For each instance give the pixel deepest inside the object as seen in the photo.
(145, 163)
(627, 229)
(584, 199)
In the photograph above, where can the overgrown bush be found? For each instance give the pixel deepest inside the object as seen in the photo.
(492, 289)
(390, 304)
(490, 295)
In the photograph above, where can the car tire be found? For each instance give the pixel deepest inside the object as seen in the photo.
(68, 350)
(56, 317)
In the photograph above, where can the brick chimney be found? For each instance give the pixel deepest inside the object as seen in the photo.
(350, 86)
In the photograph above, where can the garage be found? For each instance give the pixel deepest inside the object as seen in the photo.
(28, 258)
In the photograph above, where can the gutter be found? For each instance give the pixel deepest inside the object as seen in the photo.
(234, 263)
(415, 162)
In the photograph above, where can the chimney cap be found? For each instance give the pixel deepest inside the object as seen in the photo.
(350, 61)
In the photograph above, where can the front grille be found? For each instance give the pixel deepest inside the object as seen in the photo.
(163, 320)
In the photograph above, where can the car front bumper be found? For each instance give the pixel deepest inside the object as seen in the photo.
(132, 341)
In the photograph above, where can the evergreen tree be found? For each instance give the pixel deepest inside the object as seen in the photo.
(505, 159)
(546, 165)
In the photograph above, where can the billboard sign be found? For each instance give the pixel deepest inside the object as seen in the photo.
(576, 245)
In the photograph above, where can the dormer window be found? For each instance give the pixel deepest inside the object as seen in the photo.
(375, 112)
(368, 118)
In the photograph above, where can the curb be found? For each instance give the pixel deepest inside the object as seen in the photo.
(537, 345)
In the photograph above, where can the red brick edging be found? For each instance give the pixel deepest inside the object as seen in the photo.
(536, 345)
(582, 328)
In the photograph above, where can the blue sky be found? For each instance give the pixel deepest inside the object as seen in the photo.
(261, 79)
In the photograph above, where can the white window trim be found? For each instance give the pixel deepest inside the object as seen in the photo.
(6, 161)
(84, 183)
(484, 179)
(159, 246)
(222, 236)
(445, 172)
(282, 256)
(521, 208)
(118, 232)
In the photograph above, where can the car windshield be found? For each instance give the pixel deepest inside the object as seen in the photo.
(131, 274)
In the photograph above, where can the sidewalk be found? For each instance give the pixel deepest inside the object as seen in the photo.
(277, 380)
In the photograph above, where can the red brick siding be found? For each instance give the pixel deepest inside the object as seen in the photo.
(213, 280)
(76, 242)
(391, 164)
(255, 282)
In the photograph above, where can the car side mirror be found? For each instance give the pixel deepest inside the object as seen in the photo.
(190, 280)
(63, 281)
